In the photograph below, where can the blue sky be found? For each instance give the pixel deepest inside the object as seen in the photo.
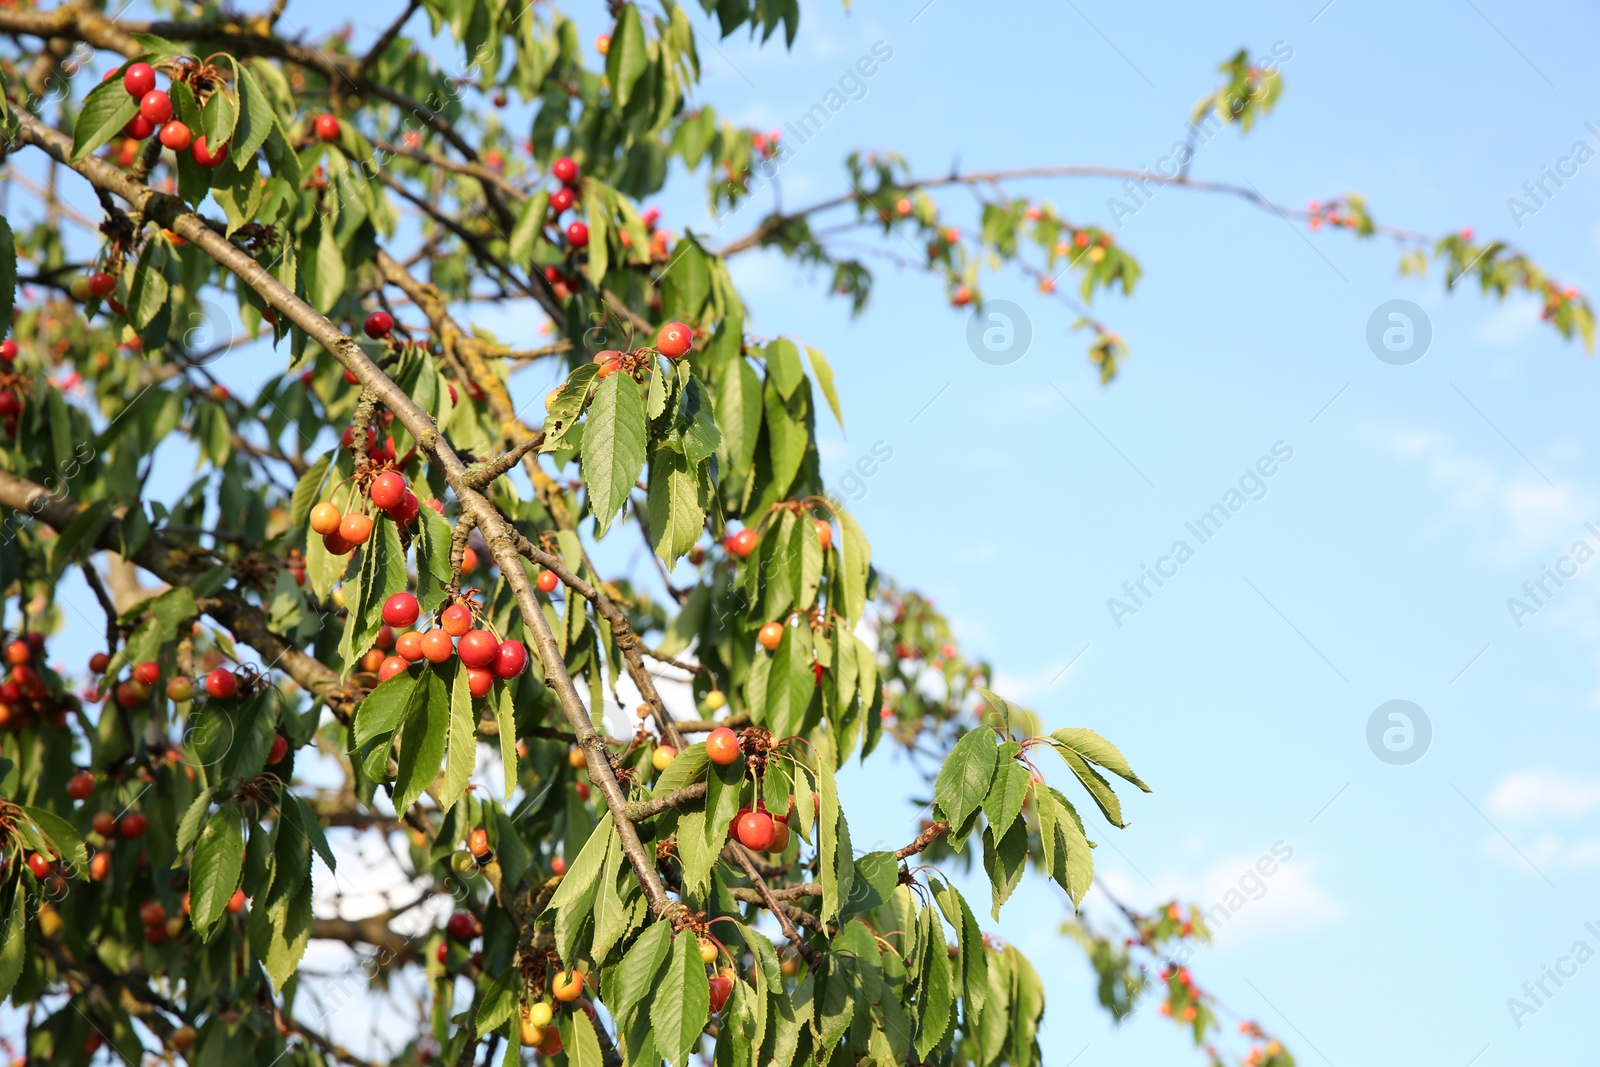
(1377, 565)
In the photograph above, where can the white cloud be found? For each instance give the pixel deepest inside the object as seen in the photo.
(1539, 794)
(1243, 903)
(1528, 801)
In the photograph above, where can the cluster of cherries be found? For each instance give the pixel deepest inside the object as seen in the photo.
(342, 532)
(24, 695)
(10, 399)
(565, 171)
(484, 655)
(155, 111)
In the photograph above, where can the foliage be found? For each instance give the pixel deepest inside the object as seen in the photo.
(164, 826)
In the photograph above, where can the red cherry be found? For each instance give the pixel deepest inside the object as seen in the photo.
(336, 544)
(80, 786)
(104, 823)
(391, 666)
(434, 502)
(236, 902)
(456, 619)
(755, 831)
(469, 561)
(387, 490)
(155, 106)
(674, 340)
(408, 646)
(478, 648)
(132, 827)
(139, 79)
(9, 404)
(743, 543)
(102, 284)
(462, 926)
(770, 635)
(176, 136)
(18, 652)
(40, 865)
(437, 646)
(222, 683)
(479, 681)
(558, 866)
(608, 368)
(562, 199)
(721, 989)
(510, 660)
(279, 749)
(138, 128)
(722, 746)
(378, 324)
(582, 789)
(327, 127)
(385, 638)
(578, 234)
(356, 528)
(565, 170)
(204, 156)
(405, 512)
(147, 673)
(547, 581)
(8, 350)
(400, 610)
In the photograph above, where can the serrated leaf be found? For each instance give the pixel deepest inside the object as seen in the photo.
(189, 825)
(636, 974)
(1097, 750)
(216, 869)
(505, 717)
(106, 109)
(1005, 858)
(63, 839)
(388, 706)
(307, 491)
(823, 373)
(966, 775)
(783, 366)
(613, 447)
(682, 1002)
(1008, 791)
(674, 509)
(255, 117)
(422, 742)
(855, 563)
(14, 950)
(461, 754)
(627, 57)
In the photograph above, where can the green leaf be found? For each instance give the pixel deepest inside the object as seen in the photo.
(628, 56)
(612, 911)
(300, 816)
(387, 707)
(581, 1045)
(433, 558)
(574, 898)
(8, 276)
(788, 436)
(674, 506)
(422, 743)
(685, 281)
(216, 869)
(967, 773)
(1091, 746)
(461, 755)
(974, 964)
(1006, 795)
(218, 119)
(935, 1001)
(567, 406)
(14, 950)
(1004, 860)
(280, 929)
(1067, 853)
(636, 974)
(307, 491)
(682, 1002)
(63, 839)
(837, 870)
(855, 563)
(255, 117)
(106, 109)
(149, 291)
(783, 366)
(505, 717)
(499, 1000)
(613, 447)
(189, 825)
(526, 232)
(823, 373)
(738, 411)
(723, 786)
